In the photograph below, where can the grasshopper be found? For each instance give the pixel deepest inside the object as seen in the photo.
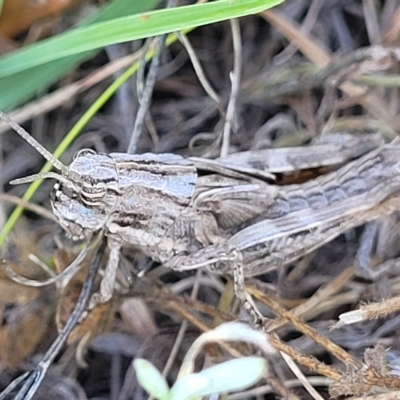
(230, 215)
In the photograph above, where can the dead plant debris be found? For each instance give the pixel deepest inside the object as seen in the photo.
(308, 67)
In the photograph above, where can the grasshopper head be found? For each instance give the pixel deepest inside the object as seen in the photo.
(85, 193)
(86, 200)
(77, 219)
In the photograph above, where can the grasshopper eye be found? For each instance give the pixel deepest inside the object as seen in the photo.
(83, 152)
(92, 190)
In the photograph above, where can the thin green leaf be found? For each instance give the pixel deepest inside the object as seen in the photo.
(129, 28)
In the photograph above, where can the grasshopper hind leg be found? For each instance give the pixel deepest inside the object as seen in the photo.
(221, 258)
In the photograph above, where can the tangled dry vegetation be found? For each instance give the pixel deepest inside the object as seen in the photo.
(308, 67)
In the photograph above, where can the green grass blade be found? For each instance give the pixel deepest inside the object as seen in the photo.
(128, 28)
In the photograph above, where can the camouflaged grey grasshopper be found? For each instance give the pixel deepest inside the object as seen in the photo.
(189, 213)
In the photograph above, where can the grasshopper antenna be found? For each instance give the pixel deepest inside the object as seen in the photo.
(38, 147)
(41, 175)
